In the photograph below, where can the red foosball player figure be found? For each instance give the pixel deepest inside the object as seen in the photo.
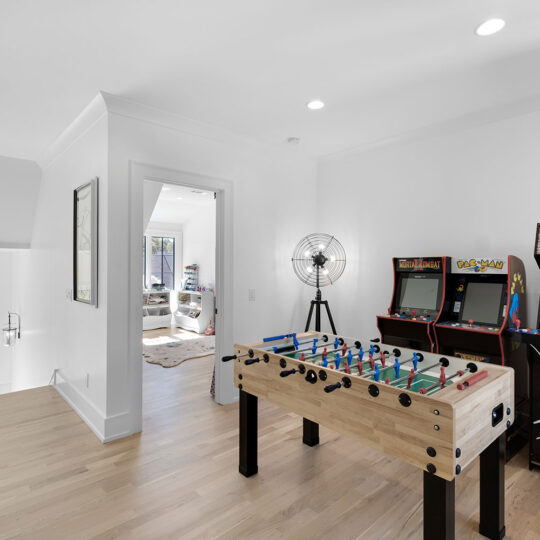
(371, 362)
(383, 359)
(303, 357)
(411, 377)
(442, 378)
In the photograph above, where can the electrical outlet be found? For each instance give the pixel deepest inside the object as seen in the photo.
(87, 380)
(251, 295)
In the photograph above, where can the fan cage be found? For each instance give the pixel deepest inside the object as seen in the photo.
(319, 260)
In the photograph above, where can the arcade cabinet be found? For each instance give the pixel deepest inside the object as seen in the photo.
(486, 296)
(531, 338)
(417, 302)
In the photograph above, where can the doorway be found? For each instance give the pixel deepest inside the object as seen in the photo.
(179, 246)
(225, 391)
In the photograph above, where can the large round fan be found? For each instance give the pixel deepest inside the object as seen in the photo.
(319, 259)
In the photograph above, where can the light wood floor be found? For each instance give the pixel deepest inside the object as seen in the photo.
(179, 478)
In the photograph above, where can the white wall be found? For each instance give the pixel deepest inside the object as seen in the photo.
(273, 202)
(476, 191)
(19, 188)
(199, 233)
(6, 304)
(58, 333)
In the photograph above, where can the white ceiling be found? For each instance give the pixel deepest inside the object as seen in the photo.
(177, 204)
(383, 67)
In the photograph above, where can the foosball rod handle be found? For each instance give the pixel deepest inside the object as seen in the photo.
(276, 338)
(332, 387)
(473, 379)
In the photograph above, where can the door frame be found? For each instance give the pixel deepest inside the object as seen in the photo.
(139, 172)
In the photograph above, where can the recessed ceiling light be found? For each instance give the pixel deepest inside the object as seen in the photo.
(165, 188)
(490, 27)
(204, 193)
(179, 198)
(315, 104)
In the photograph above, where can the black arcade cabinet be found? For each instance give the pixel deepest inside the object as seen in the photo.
(530, 337)
(417, 302)
(486, 296)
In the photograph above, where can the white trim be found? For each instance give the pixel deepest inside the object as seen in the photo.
(491, 115)
(138, 172)
(14, 246)
(159, 117)
(92, 416)
(105, 428)
(90, 115)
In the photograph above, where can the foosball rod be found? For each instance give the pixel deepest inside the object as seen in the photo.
(443, 361)
(292, 347)
(419, 357)
(335, 343)
(334, 352)
(385, 367)
(471, 368)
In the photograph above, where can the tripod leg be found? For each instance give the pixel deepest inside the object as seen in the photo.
(330, 317)
(309, 316)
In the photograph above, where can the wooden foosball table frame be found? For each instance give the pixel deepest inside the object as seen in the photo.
(440, 433)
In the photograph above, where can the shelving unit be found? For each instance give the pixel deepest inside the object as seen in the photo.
(156, 309)
(191, 277)
(195, 309)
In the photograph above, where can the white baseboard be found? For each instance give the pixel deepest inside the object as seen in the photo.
(105, 428)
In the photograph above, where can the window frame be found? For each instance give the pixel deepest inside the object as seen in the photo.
(173, 239)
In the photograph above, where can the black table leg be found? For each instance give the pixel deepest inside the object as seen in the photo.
(492, 490)
(311, 433)
(439, 508)
(248, 434)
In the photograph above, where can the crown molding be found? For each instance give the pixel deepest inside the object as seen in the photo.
(478, 118)
(89, 116)
(109, 104)
(145, 113)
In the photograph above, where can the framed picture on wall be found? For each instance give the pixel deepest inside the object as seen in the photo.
(85, 243)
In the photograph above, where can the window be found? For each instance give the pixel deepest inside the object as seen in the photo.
(162, 270)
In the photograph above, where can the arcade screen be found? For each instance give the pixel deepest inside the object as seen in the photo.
(482, 302)
(419, 292)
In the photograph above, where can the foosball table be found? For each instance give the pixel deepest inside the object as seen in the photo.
(437, 413)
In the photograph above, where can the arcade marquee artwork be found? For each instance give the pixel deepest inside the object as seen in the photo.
(480, 265)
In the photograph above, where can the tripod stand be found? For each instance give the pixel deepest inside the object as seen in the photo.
(317, 303)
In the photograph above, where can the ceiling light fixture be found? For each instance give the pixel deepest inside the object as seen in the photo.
(315, 104)
(490, 27)
(179, 198)
(164, 188)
